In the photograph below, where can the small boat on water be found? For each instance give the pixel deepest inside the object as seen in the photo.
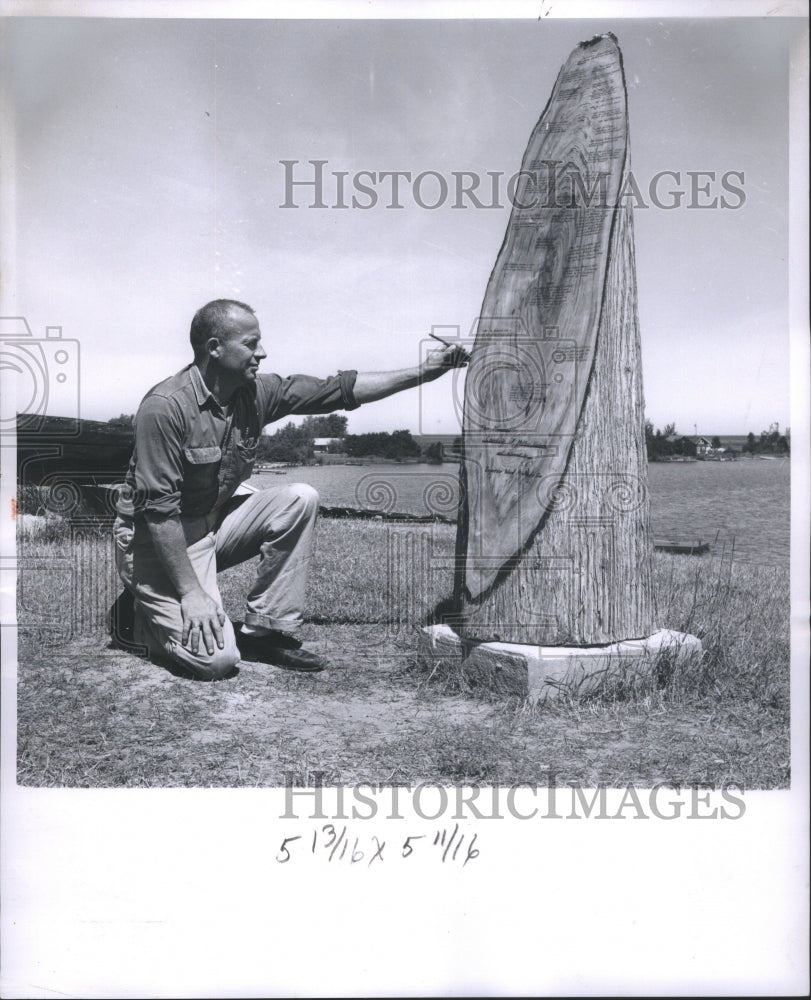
(682, 548)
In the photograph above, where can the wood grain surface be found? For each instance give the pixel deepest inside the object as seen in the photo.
(554, 541)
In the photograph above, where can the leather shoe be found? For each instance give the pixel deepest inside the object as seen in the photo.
(280, 649)
(121, 620)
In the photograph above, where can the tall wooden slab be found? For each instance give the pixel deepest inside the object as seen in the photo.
(554, 543)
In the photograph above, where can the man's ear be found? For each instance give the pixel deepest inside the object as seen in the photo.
(214, 347)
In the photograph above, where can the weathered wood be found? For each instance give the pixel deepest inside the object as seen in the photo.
(554, 544)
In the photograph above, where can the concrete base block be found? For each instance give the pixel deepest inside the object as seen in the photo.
(543, 672)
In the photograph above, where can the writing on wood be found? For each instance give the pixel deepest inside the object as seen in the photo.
(554, 543)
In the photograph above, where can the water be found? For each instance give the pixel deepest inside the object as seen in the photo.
(718, 502)
(747, 500)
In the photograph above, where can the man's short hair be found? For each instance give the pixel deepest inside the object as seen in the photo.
(212, 320)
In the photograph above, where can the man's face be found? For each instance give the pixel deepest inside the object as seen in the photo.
(241, 351)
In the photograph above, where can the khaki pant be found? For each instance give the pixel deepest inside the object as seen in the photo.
(275, 524)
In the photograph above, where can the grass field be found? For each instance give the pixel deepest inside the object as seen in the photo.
(92, 716)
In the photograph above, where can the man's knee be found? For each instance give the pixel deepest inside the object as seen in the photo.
(221, 663)
(305, 495)
(297, 503)
(165, 645)
(207, 666)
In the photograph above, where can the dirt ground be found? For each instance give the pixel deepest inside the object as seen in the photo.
(92, 716)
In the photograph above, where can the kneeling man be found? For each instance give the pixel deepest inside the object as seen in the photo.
(179, 521)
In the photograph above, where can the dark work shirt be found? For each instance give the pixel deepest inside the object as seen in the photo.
(191, 454)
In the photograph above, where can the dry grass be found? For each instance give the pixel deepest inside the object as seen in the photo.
(92, 716)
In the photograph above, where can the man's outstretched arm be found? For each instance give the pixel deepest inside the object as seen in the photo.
(370, 386)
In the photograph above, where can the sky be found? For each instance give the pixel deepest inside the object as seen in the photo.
(146, 178)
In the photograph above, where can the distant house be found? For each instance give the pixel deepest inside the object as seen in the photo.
(703, 445)
(704, 448)
(321, 445)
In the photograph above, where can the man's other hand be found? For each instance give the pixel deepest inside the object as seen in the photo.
(202, 616)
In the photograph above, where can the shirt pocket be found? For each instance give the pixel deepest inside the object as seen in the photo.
(201, 470)
(202, 456)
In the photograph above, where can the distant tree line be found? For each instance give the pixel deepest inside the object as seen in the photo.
(396, 446)
(296, 444)
(122, 420)
(770, 442)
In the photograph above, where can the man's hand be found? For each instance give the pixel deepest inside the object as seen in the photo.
(441, 359)
(202, 616)
(370, 386)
